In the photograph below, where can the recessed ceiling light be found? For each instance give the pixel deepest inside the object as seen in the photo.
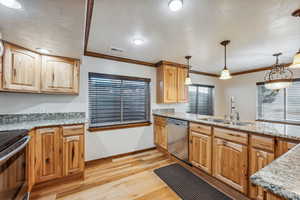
(41, 50)
(175, 5)
(11, 4)
(138, 41)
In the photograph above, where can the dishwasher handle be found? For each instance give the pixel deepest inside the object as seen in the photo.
(177, 122)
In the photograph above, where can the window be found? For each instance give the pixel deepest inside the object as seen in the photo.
(281, 106)
(201, 99)
(118, 100)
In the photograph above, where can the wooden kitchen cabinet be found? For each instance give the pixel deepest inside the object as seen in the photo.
(171, 86)
(182, 89)
(73, 149)
(47, 154)
(21, 69)
(58, 152)
(261, 154)
(59, 75)
(230, 163)
(258, 160)
(270, 196)
(200, 150)
(73, 159)
(283, 146)
(160, 132)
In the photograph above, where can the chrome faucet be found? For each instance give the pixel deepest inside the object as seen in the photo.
(234, 114)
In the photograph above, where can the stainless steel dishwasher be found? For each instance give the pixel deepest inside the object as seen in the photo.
(177, 131)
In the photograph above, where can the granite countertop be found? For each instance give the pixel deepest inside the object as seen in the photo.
(282, 176)
(30, 121)
(265, 128)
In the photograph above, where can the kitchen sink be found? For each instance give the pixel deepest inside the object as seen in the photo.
(224, 121)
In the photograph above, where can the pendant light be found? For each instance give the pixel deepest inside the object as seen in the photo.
(296, 62)
(225, 74)
(279, 77)
(188, 80)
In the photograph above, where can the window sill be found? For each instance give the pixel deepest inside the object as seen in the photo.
(119, 126)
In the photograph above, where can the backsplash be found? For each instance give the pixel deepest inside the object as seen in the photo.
(18, 118)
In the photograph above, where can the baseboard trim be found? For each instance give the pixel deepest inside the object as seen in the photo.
(97, 161)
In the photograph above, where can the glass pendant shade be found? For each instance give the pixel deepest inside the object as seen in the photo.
(188, 81)
(278, 84)
(296, 63)
(279, 77)
(225, 74)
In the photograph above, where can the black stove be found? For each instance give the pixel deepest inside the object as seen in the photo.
(7, 138)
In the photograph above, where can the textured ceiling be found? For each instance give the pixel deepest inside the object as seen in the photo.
(256, 28)
(57, 25)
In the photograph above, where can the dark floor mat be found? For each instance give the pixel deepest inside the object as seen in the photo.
(187, 185)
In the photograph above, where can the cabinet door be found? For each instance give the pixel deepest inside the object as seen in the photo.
(170, 84)
(47, 154)
(60, 75)
(182, 89)
(271, 196)
(284, 146)
(21, 69)
(201, 151)
(258, 160)
(73, 158)
(230, 163)
(160, 137)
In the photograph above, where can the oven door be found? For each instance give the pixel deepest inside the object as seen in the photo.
(13, 171)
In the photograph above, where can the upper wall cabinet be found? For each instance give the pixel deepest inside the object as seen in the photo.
(59, 75)
(170, 83)
(21, 69)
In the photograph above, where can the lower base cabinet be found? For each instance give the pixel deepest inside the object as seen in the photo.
(47, 154)
(258, 160)
(160, 132)
(73, 155)
(230, 164)
(57, 152)
(200, 151)
(270, 196)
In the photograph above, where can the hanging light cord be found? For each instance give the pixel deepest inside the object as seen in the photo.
(225, 57)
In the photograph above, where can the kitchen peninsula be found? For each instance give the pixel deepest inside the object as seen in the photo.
(248, 147)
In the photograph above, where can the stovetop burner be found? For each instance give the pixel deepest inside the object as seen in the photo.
(8, 138)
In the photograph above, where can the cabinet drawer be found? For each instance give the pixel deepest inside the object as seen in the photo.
(73, 130)
(200, 128)
(265, 143)
(231, 135)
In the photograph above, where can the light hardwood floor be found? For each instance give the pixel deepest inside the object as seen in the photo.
(126, 178)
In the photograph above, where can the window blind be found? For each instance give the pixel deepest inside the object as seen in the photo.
(201, 99)
(282, 105)
(117, 100)
(293, 102)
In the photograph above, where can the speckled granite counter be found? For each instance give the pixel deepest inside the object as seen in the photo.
(265, 128)
(29, 121)
(282, 176)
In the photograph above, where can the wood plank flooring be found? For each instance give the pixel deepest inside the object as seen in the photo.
(125, 178)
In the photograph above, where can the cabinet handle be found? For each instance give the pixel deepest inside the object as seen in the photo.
(15, 72)
(53, 77)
